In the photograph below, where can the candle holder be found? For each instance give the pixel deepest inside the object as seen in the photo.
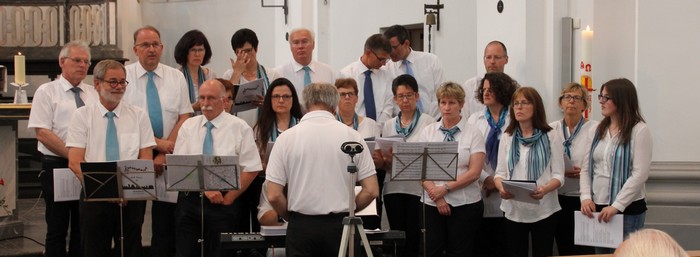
(20, 93)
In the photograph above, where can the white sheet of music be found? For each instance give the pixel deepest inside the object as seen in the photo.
(66, 186)
(385, 143)
(521, 190)
(588, 231)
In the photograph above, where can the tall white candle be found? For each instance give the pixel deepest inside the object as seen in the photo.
(586, 65)
(20, 75)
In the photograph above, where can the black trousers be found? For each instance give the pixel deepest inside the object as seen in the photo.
(59, 215)
(541, 233)
(403, 213)
(565, 227)
(100, 225)
(163, 227)
(246, 207)
(315, 235)
(453, 235)
(217, 219)
(489, 241)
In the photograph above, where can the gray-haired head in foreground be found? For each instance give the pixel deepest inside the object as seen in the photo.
(65, 51)
(103, 66)
(651, 243)
(323, 94)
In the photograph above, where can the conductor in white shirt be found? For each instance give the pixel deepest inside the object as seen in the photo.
(215, 132)
(308, 159)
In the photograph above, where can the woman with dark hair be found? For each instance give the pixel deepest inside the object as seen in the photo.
(280, 111)
(192, 52)
(530, 151)
(453, 209)
(495, 92)
(618, 162)
(574, 130)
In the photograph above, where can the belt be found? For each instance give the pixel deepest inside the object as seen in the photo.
(51, 158)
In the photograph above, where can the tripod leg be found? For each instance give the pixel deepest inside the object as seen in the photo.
(365, 242)
(344, 241)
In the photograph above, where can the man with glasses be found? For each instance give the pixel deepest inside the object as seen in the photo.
(495, 60)
(162, 92)
(303, 70)
(109, 130)
(215, 132)
(424, 67)
(53, 105)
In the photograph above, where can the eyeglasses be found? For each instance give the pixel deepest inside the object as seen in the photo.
(114, 83)
(576, 98)
(346, 95)
(77, 60)
(408, 96)
(494, 57)
(196, 50)
(522, 104)
(382, 60)
(603, 98)
(281, 97)
(149, 45)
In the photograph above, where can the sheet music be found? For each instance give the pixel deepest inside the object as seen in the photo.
(568, 165)
(66, 186)
(177, 167)
(247, 92)
(222, 173)
(440, 162)
(201, 172)
(521, 190)
(590, 232)
(385, 143)
(370, 210)
(138, 182)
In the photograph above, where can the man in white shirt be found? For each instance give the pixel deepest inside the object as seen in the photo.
(495, 60)
(376, 54)
(52, 108)
(89, 140)
(425, 67)
(230, 136)
(162, 92)
(308, 159)
(303, 70)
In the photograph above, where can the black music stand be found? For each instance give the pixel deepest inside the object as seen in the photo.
(425, 161)
(199, 173)
(118, 181)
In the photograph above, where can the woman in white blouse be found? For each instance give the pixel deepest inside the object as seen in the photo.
(618, 162)
(454, 209)
(192, 51)
(495, 92)
(574, 131)
(530, 151)
(402, 198)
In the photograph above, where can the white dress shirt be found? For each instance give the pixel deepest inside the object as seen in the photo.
(404, 187)
(492, 202)
(634, 188)
(381, 88)
(579, 147)
(54, 105)
(172, 91)
(294, 72)
(549, 204)
(470, 142)
(471, 104)
(368, 128)
(307, 158)
(88, 130)
(231, 136)
(428, 73)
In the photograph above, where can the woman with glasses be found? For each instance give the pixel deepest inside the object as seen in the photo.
(280, 111)
(617, 164)
(495, 92)
(454, 209)
(530, 151)
(192, 52)
(574, 131)
(402, 198)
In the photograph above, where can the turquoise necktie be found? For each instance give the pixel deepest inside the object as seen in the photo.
(409, 71)
(154, 111)
(208, 148)
(307, 75)
(370, 109)
(111, 142)
(78, 102)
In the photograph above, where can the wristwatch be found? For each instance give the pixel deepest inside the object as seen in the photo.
(446, 187)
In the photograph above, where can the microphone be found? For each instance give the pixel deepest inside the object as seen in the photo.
(351, 147)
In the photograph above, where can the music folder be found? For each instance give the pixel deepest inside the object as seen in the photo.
(117, 180)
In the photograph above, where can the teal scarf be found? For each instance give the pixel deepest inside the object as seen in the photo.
(190, 83)
(621, 166)
(539, 155)
(406, 132)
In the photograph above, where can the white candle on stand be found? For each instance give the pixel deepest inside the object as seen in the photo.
(20, 76)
